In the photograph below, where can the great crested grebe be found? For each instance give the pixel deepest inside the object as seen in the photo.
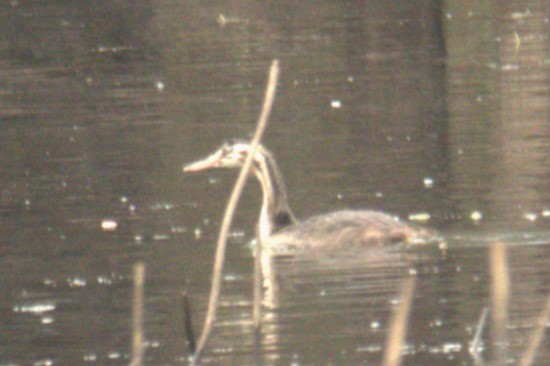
(282, 233)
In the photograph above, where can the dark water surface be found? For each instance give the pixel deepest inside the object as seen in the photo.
(423, 109)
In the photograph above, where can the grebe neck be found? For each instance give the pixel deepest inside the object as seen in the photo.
(275, 213)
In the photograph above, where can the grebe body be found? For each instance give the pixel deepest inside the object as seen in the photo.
(281, 233)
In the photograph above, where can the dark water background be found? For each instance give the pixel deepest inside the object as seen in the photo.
(101, 103)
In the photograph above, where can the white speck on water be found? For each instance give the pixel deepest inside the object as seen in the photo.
(413, 272)
(379, 194)
(375, 324)
(518, 15)
(35, 308)
(177, 229)
(436, 323)
(109, 225)
(531, 216)
(76, 282)
(90, 357)
(132, 209)
(476, 216)
(161, 206)
(428, 182)
(45, 362)
(46, 320)
(479, 98)
(452, 347)
(123, 199)
(154, 344)
(460, 151)
(370, 349)
(351, 79)
(236, 234)
(231, 277)
(160, 86)
(104, 280)
(339, 196)
(545, 213)
(113, 355)
(27, 202)
(198, 233)
(49, 282)
(510, 67)
(159, 237)
(449, 15)
(138, 238)
(212, 180)
(419, 216)
(335, 103)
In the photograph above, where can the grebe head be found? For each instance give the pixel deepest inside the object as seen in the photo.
(275, 212)
(229, 155)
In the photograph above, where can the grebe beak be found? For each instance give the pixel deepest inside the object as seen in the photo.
(212, 161)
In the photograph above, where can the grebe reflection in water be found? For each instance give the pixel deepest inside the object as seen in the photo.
(281, 233)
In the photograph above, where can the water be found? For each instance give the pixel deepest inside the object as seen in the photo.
(430, 110)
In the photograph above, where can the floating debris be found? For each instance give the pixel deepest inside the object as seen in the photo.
(160, 86)
(545, 213)
(109, 225)
(375, 324)
(198, 233)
